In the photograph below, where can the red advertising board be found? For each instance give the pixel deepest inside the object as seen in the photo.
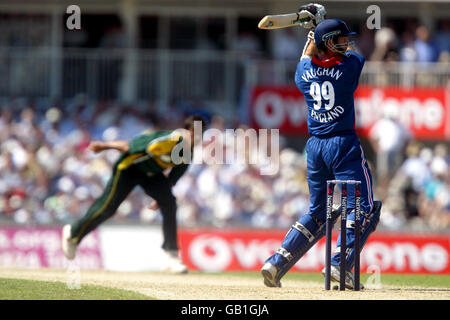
(246, 250)
(425, 112)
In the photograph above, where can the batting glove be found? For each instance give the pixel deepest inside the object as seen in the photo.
(315, 12)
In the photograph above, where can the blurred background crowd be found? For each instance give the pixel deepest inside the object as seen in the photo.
(48, 176)
(406, 40)
(399, 39)
(143, 65)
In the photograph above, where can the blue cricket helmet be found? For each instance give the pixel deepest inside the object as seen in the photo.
(328, 29)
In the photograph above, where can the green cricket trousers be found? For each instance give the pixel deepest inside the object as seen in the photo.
(117, 189)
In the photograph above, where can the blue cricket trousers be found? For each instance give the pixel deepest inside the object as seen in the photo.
(338, 157)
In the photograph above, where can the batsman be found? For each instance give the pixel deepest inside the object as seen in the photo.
(142, 162)
(327, 74)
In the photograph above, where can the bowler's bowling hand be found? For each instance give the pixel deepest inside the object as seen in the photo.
(96, 146)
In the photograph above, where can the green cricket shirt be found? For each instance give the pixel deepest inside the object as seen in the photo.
(151, 154)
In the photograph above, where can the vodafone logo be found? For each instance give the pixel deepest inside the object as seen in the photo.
(273, 109)
(407, 256)
(413, 112)
(219, 252)
(424, 112)
(210, 253)
(215, 253)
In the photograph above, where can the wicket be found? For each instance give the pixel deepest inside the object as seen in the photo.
(329, 226)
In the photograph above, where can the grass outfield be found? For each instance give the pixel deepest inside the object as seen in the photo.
(409, 280)
(19, 289)
(102, 285)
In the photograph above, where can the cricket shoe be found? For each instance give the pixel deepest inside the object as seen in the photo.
(174, 263)
(269, 273)
(69, 246)
(349, 279)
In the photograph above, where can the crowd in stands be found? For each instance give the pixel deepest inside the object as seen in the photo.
(419, 191)
(416, 46)
(416, 43)
(403, 39)
(48, 176)
(412, 43)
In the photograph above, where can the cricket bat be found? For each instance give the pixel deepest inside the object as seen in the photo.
(279, 21)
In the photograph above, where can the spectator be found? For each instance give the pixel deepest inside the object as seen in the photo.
(442, 40)
(389, 139)
(408, 51)
(114, 37)
(285, 45)
(407, 184)
(435, 201)
(385, 45)
(425, 49)
(247, 45)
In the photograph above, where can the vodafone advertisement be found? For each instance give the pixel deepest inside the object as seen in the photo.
(425, 112)
(138, 248)
(246, 250)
